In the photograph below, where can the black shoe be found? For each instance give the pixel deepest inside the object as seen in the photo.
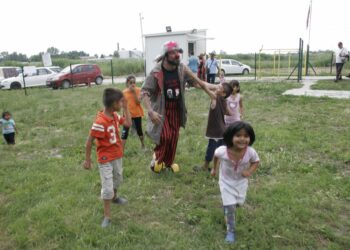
(120, 201)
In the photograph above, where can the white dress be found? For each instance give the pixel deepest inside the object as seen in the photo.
(233, 186)
(233, 105)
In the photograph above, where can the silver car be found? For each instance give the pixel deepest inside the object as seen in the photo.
(230, 66)
(37, 79)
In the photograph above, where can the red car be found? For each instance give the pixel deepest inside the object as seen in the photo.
(81, 74)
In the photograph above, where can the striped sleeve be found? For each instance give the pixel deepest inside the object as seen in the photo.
(97, 130)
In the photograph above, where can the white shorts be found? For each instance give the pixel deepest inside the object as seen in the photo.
(111, 174)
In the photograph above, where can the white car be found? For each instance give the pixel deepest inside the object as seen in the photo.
(35, 80)
(230, 66)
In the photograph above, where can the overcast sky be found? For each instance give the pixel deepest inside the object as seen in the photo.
(31, 26)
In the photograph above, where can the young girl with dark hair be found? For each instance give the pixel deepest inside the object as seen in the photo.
(238, 161)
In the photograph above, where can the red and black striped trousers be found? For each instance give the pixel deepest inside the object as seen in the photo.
(166, 150)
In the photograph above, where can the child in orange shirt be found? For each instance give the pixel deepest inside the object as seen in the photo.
(132, 95)
(109, 148)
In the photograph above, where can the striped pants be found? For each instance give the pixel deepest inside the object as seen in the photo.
(165, 151)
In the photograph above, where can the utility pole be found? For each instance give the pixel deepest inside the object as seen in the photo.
(143, 45)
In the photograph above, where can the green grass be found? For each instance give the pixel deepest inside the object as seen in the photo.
(299, 198)
(331, 85)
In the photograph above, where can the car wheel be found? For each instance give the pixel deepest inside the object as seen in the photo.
(99, 80)
(65, 84)
(15, 85)
(223, 72)
(245, 72)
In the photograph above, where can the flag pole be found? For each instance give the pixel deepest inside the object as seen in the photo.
(308, 25)
(310, 22)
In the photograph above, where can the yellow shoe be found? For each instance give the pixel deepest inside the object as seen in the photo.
(158, 166)
(175, 168)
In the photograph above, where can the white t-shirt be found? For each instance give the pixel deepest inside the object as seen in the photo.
(233, 186)
(340, 54)
(212, 65)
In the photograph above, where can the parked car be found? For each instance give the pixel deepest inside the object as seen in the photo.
(81, 74)
(230, 66)
(7, 72)
(38, 79)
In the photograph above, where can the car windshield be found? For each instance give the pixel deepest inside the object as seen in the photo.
(57, 70)
(66, 69)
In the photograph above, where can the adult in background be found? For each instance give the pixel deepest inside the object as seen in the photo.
(341, 56)
(212, 67)
(163, 94)
(201, 67)
(193, 64)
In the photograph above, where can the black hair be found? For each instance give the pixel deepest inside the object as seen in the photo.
(110, 96)
(227, 89)
(235, 83)
(129, 78)
(234, 128)
(5, 113)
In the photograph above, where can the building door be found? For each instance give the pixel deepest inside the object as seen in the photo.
(190, 49)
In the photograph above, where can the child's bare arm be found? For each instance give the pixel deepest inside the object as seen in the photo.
(241, 106)
(136, 97)
(88, 146)
(228, 110)
(202, 84)
(215, 167)
(127, 122)
(248, 172)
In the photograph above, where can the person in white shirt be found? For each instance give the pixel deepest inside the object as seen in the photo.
(341, 56)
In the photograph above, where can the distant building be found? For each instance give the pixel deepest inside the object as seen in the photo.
(125, 54)
(190, 41)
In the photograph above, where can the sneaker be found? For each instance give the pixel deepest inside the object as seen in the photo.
(175, 168)
(230, 237)
(158, 166)
(120, 201)
(106, 222)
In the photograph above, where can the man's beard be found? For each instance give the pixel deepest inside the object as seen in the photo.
(175, 62)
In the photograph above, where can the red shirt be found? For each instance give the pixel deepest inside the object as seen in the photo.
(106, 131)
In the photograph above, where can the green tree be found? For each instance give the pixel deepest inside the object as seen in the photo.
(53, 51)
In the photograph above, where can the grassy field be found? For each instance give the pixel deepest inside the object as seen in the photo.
(331, 85)
(298, 199)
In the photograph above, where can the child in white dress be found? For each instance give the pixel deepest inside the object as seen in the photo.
(235, 104)
(238, 161)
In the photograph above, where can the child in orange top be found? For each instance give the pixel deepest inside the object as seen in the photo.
(109, 148)
(132, 95)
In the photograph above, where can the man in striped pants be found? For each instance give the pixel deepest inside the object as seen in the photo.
(163, 94)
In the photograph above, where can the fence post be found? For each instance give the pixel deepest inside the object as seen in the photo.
(331, 63)
(24, 82)
(255, 65)
(307, 60)
(71, 75)
(112, 71)
(300, 63)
